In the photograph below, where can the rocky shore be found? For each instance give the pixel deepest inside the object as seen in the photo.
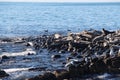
(90, 52)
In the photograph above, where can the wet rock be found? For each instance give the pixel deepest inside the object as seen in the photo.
(56, 56)
(72, 62)
(61, 74)
(46, 76)
(54, 46)
(98, 66)
(92, 51)
(41, 51)
(69, 58)
(3, 74)
(7, 40)
(79, 56)
(37, 47)
(77, 46)
(5, 57)
(29, 44)
(75, 71)
(115, 62)
(36, 78)
(74, 54)
(114, 70)
(30, 54)
(61, 51)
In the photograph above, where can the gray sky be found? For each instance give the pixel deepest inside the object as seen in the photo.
(61, 0)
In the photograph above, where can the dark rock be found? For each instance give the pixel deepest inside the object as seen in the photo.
(29, 44)
(75, 46)
(5, 57)
(91, 48)
(56, 56)
(30, 54)
(49, 76)
(116, 62)
(100, 66)
(46, 76)
(74, 54)
(3, 74)
(37, 47)
(36, 78)
(40, 51)
(114, 70)
(7, 40)
(75, 68)
(108, 61)
(80, 70)
(54, 46)
(61, 74)
(79, 56)
(68, 58)
(75, 71)
(61, 51)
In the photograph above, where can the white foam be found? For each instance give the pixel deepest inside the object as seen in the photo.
(103, 76)
(15, 69)
(20, 73)
(28, 50)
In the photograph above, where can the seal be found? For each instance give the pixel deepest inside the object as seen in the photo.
(106, 32)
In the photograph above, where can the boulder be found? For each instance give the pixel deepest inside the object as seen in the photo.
(61, 74)
(5, 57)
(3, 74)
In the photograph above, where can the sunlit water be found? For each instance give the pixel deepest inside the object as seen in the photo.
(24, 19)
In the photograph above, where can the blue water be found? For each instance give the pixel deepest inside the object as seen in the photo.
(26, 19)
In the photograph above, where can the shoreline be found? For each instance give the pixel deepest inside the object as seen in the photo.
(65, 56)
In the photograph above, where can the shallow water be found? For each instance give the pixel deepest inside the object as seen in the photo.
(20, 62)
(23, 19)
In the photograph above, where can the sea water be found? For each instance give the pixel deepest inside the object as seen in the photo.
(28, 19)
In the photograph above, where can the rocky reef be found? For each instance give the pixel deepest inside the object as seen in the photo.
(92, 52)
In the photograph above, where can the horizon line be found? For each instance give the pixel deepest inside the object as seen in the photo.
(68, 1)
(59, 2)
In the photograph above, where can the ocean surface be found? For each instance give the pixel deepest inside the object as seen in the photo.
(28, 19)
